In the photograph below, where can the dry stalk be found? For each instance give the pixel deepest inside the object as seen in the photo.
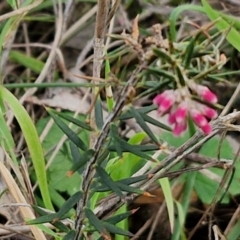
(104, 15)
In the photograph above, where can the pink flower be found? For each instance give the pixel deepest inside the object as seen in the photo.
(209, 112)
(204, 92)
(179, 104)
(207, 129)
(198, 118)
(181, 113)
(179, 128)
(171, 118)
(165, 100)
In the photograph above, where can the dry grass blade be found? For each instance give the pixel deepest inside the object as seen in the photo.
(20, 10)
(13, 188)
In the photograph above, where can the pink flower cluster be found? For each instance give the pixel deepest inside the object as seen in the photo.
(179, 105)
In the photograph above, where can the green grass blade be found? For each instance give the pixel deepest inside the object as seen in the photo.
(33, 142)
(166, 188)
(175, 14)
(28, 62)
(233, 36)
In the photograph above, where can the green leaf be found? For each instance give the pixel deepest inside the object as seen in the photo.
(61, 161)
(98, 113)
(161, 54)
(114, 140)
(175, 15)
(190, 50)
(222, 25)
(128, 114)
(140, 147)
(81, 162)
(58, 224)
(68, 131)
(71, 202)
(143, 124)
(155, 122)
(70, 235)
(93, 219)
(162, 73)
(6, 139)
(44, 219)
(32, 140)
(73, 120)
(76, 156)
(29, 62)
(125, 181)
(234, 233)
(118, 218)
(167, 192)
(108, 181)
(113, 229)
(63, 210)
(132, 180)
(129, 189)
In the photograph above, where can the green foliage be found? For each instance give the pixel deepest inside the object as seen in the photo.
(32, 140)
(62, 163)
(104, 159)
(224, 24)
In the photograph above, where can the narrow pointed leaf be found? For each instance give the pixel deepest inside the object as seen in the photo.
(190, 50)
(132, 180)
(58, 215)
(143, 125)
(130, 148)
(129, 189)
(99, 113)
(70, 235)
(103, 156)
(58, 224)
(108, 181)
(44, 219)
(93, 219)
(76, 156)
(155, 122)
(114, 135)
(125, 181)
(69, 132)
(162, 73)
(127, 115)
(161, 54)
(143, 148)
(116, 230)
(71, 202)
(118, 218)
(180, 75)
(84, 159)
(73, 120)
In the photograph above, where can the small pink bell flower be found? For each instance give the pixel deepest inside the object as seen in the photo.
(179, 105)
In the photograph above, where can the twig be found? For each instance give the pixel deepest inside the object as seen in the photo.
(102, 19)
(97, 147)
